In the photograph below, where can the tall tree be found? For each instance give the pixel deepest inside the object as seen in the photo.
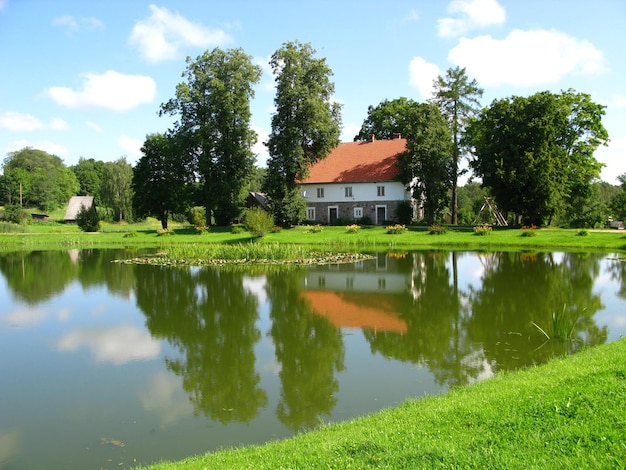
(162, 179)
(458, 98)
(536, 153)
(90, 174)
(213, 106)
(305, 126)
(117, 190)
(386, 120)
(37, 178)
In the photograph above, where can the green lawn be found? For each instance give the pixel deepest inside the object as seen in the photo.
(566, 414)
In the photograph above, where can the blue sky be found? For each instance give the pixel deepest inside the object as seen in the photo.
(85, 78)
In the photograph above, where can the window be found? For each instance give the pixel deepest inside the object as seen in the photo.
(320, 193)
(304, 194)
(310, 213)
(380, 190)
(348, 191)
(358, 212)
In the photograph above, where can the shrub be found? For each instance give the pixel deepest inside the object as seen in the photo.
(314, 229)
(582, 233)
(365, 220)
(9, 227)
(197, 216)
(164, 232)
(404, 212)
(258, 221)
(354, 228)
(527, 231)
(343, 221)
(15, 214)
(88, 219)
(396, 229)
(482, 230)
(436, 229)
(237, 229)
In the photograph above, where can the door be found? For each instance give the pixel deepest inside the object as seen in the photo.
(332, 215)
(381, 214)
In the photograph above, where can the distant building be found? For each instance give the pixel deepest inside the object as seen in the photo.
(73, 208)
(357, 180)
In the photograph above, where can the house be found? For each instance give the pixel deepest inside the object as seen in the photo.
(255, 200)
(357, 180)
(73, 208)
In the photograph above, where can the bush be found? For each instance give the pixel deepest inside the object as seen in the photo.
(258, 221)
(404, 212)
(396, 229)
(365, 220)
(197, 216)
(343, 221)
(87, 219)
(354, 228)
(482, 230)
(9, 227)
(314, 229)
(436, 229)
(15, 214)
(528, 231)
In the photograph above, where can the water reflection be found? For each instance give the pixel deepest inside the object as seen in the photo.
(191, 344)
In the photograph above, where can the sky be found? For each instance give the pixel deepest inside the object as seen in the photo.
(86, 79)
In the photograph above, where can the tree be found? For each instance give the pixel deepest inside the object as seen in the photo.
(37, 178)
(387, 119)
(89, 173)
(618, 201)
(213, 106)
(305, 126)
(426, 166)
(117, 191)
(162, 179)
(457, 96)
(536, 153)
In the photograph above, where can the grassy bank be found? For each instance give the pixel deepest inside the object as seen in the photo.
(54, 235)
(568, 413)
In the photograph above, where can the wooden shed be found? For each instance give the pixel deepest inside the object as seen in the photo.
(73, 208)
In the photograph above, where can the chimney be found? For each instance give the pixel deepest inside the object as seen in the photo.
(372, 137)
(397, 135)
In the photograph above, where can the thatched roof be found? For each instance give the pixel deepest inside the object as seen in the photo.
(73, 208)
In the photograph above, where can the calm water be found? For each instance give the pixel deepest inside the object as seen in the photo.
(107, 365)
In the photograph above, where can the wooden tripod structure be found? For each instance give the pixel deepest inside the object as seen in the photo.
(490, 207)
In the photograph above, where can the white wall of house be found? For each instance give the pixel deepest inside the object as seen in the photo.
(366, 192)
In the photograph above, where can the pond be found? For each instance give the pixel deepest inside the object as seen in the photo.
(108, 365)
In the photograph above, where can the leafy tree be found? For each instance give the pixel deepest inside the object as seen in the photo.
(305, 126)
(162, 179)
(213, 105)
(387, 119)
(457, 96)
(618, 202)
(471, 199)
(89, 173)
(427, 164)
(536, 153)
(117, 191)
(36, 178)
(15, 214)
(87, 219)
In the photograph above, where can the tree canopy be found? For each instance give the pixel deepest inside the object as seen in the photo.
(33, 177)
(305, 126)
(458, 98)
(536, 153)
(117, 190)
(213, 106)
(162, 179)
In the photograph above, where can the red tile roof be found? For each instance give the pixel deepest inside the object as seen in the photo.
(355, 162)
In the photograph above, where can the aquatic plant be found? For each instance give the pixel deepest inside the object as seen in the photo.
(563, 325)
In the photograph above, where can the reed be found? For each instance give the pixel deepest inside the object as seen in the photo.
(563, 325)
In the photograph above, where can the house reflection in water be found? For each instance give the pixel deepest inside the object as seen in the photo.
(362, 295)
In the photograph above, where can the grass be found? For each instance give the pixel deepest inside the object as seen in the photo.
(565, 414)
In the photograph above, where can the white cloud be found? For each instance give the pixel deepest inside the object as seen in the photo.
(526, 58)
(27, 122)
(45, 145)
(268, 79)
(473, 14)
(422, 74)
(73, 24)
(111, 90)
(161, 35)
(131, 146)
(119, 345)
(349, 131)
(93, 126)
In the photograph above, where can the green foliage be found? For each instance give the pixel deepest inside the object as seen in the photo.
(89, 173)
(483, 230)
(618, 200)
(388, 119)
(458, 99)
(258, 221)
(365, 220)
(436, 229)
(117, 189)
(536, 153)
(162, 181)
(10, 227)
(213, 106)
(305, 127)
(395, 229)
(87, 219)
(528, 231)
(404, 212)
(132, 234)
(37, 178)
(354, 228)
(196, 216)
(314, 229)
(164, 232)
(563, 324)
(15, 214)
